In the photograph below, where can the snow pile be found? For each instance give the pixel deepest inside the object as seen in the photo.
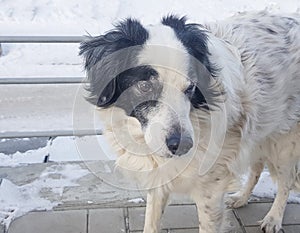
(17, 200)
(62, 149)
(28, 157)
(268, 189)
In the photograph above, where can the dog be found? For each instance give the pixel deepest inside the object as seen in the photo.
(188, 107)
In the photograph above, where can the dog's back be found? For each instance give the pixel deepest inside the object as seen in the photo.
(269, 48)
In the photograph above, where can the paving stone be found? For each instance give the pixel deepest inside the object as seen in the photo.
(180, 217)
(189, 230)
(252, 213)
(253, 230)
(162, 231)
(174, 217)
(235, 226)
(106, 220)
(287, 229)
(292, 214)
(72, 221)
(292, 228)
(136, 218)
(2, 228)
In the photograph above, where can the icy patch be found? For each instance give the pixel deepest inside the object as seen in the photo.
(137, 200)
(16, 201)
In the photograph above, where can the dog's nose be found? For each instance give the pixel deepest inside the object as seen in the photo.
(179, 145)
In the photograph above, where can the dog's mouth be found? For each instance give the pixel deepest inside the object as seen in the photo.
(176, 148)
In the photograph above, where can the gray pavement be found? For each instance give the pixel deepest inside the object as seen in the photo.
(176, 219)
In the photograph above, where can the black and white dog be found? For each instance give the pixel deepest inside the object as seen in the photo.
(187, 106)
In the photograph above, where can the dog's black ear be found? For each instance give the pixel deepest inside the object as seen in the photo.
(198, 100)
(106, 56)
(193, 37)
(202, 71)
(106, 97)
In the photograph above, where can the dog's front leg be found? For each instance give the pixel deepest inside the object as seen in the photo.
(156, 202)
(211, 212)
(273, 220)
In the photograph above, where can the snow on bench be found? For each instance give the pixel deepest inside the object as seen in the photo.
(58, 109)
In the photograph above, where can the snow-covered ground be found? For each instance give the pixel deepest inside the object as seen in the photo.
(17, 200)
(79, 17)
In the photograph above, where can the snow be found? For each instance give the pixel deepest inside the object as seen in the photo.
(18, 158)
(77, 17)
(62, 149)
(61, 17)
(266, 188)
(34, 60)
(17, 200)
(136, 200)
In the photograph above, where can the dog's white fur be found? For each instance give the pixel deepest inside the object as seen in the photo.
(260, 120)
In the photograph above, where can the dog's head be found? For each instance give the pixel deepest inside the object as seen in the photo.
(157, 74)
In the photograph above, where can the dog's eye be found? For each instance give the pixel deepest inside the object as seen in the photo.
(190, 90)
(150, 73)
(144, 86)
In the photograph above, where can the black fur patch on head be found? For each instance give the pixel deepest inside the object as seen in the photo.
(108, 55)
(194, 39)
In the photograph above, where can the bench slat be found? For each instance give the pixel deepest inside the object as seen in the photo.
(41, 39)
(40, 80)
(54, 133)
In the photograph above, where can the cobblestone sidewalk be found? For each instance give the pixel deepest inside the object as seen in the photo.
(176, 219)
